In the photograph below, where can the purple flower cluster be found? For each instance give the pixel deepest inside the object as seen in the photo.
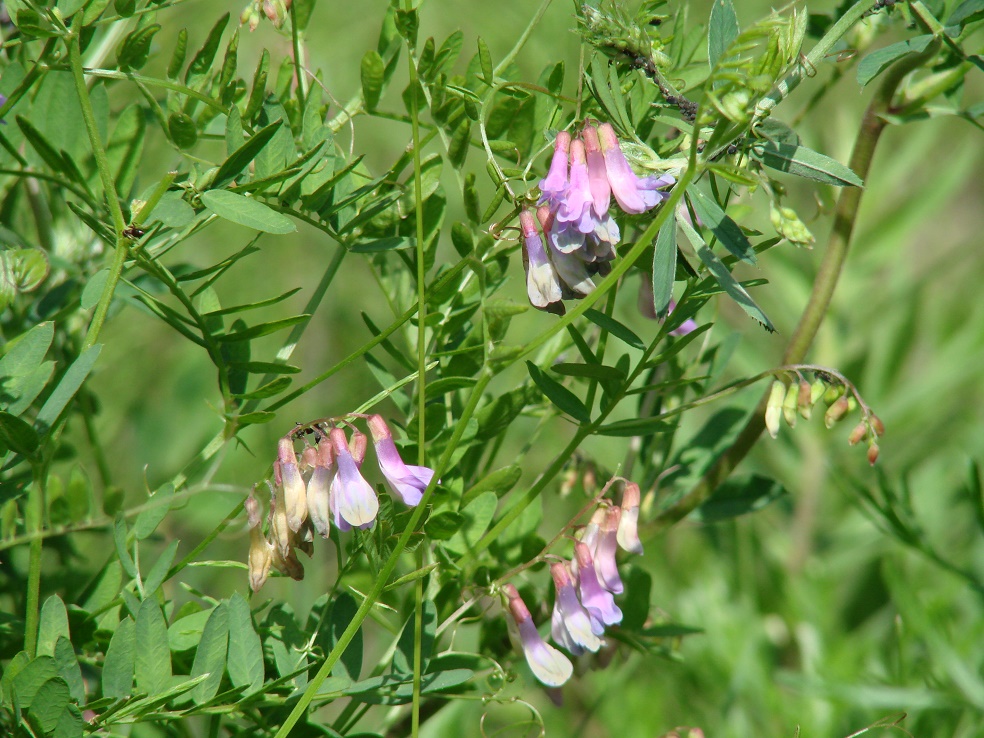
(585, 591)
(575, 197)
(324, 485)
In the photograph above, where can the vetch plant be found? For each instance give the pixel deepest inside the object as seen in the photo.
(199, 213)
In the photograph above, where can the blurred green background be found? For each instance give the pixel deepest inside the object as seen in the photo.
(815, 618)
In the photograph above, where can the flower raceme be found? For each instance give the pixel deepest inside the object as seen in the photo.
(575, 199)
(585, 589)
(325, 485)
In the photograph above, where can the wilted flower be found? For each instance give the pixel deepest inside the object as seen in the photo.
(548, 664)
(318, 487)
(352, 497)
(570, 624)
(279, 530)
(598, 601)
(260, 549)
(289, 476)
(542, 283)
(628, 526)
(406, 481)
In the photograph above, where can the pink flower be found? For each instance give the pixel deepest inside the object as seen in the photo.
(601, 191)
(597, 600)
(575, 210)
(353, 500)
(553, 187)
(406, 481)
(633, 194)
(548, 664)
(570, 624)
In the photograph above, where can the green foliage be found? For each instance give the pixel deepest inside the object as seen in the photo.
(154, 352)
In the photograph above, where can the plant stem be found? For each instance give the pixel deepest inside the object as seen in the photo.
(34, 514)
(418, 609)
(109, 191)
(845, 218)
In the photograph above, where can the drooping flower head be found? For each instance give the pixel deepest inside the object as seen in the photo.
(628, 526)
(553, 187)
(598, 601)
(548, 664)
(352, 498)
(289, 476)
(570, 624)
(406, 481)
(542, 283)
(319, 486)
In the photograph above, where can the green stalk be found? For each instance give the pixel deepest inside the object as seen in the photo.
(418, 608)
(387, 570)
(34, 514)
(295, 37)
(109, 191)
(845, 218)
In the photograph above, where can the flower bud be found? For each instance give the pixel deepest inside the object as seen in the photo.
(790, 404)
(872, 453)
(816, 391)
(308, 460)
(833, 393)
(358, 445)
(858, 434)
(877, 425)
(773, 408)
(805, 400)
(836, 411)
